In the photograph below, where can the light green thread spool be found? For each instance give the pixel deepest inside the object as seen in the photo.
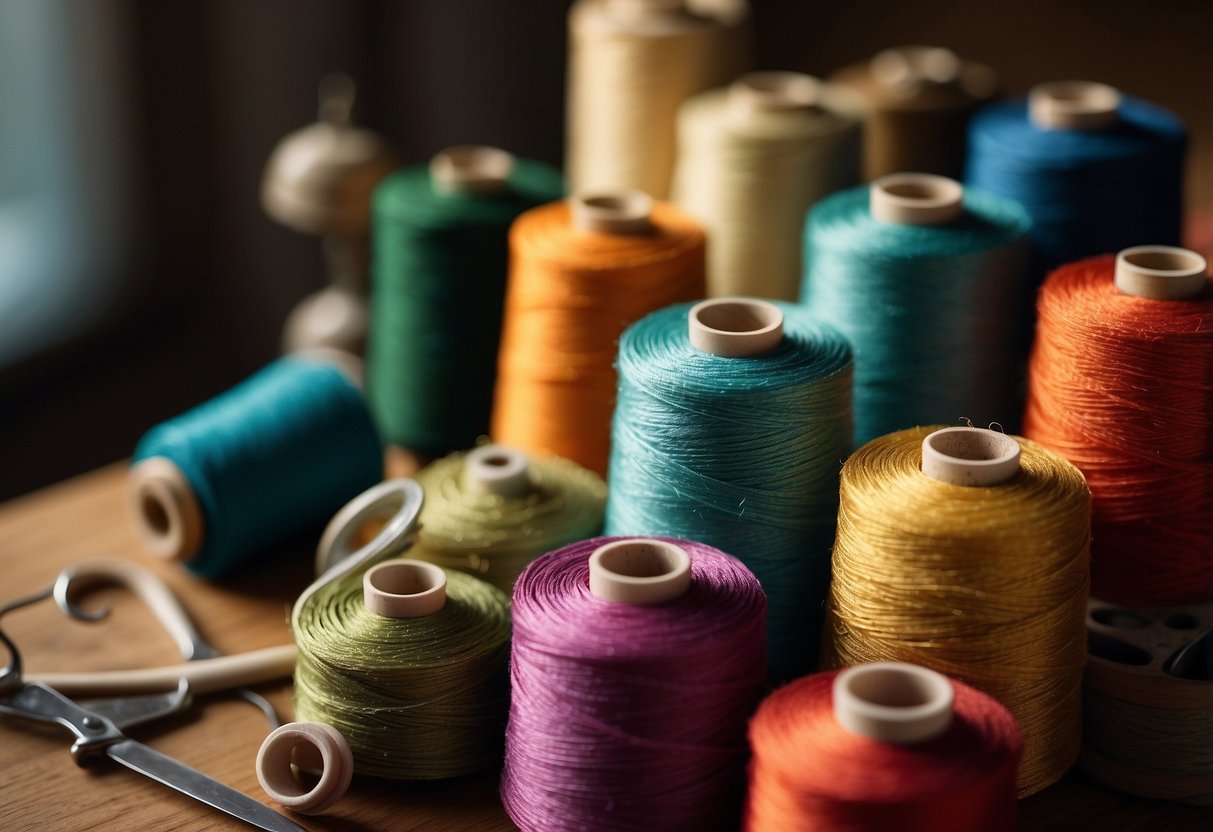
(418, 698)
(493, 510)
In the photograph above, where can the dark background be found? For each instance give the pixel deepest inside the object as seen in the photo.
(207, 279)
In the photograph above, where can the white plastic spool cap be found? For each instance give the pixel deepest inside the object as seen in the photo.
(774, 92)
(639, 571)
(970, 456)
(471, 169)
(404, 589)
(1160, 272)
(735, 327)
(296, 746)
(893, 702)
(916, 199)
(1073, 105)
(644, 8)
(910, 66)
(497, 469)
(622, 212)
(166, 511)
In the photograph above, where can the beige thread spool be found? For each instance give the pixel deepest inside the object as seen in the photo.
(631, 63)
(1146, 727)
(919, 101)
(779, 140)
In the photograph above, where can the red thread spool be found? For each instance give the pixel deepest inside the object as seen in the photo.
(810, 772)
(1122, 385)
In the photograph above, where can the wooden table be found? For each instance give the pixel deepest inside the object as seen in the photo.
(42, 789)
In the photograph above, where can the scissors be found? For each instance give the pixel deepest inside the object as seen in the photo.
(99, 725)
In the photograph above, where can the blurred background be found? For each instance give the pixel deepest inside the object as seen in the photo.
(138, 272)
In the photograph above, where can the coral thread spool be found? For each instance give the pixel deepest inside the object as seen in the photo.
(882, 746)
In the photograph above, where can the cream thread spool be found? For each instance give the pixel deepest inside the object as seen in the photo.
(774, 92)
(639, 571)
(970, 456)
(893, 702)
(305, 746)
(916, 199)
(1073, 105)
(908, 68)
(497, 469)
(735, 327)
(621, 212)
(1160, 272)
(471, 169)
(404, 589)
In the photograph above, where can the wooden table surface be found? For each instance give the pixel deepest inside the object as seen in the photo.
(42, 789)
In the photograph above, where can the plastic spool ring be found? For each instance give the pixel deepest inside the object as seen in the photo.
(970, 456)
(497, 469)
(735, 327)
(893, 702)
(166, 510)
(911, 66)
(1073, 105)
(1160, 272)
(639, 571)
(277, 774)
(404, 589)
(471, 169)
(622, 212)
(774, 92)
(916, 199)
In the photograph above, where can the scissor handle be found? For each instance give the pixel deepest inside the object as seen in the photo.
(144, 583)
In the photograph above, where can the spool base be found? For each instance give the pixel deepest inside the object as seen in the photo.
(166, 513)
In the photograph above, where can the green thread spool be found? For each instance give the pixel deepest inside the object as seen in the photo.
(493, 510)
(439, 264)
(415, 682)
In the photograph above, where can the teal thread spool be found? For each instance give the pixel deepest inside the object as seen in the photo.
(930, 282)
(439, 264)
(272, 457)
(733, 417)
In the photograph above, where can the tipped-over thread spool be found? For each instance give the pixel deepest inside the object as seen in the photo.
(1073, 105)
(623, 212)
(893, 702)
(1160, 272)
(168, 517)
(639, 571)
(916, 199)
(298, 746)
(970, 456)
(736, 327)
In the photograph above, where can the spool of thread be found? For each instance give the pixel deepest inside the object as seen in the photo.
(953, 556)
(301, 746)
(581, 271)
(882, 746)
(440, 262)
(919, 101)
(273, 457)
(930, 283)
(1121, 384)
(635, 666)
(731, 420)
(1148, 700)
(631, 64)
(1097, 170)
(491, 511)
(776, 140)
(408, 663)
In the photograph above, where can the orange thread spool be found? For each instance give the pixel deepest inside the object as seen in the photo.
(580, 272)
(1122, 386)
(810, 772)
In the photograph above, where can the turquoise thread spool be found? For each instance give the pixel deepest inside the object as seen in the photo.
(271, 457)
(930, 283)
(732, 418)
(439, 265)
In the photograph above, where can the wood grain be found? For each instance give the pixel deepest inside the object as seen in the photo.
(42, 789)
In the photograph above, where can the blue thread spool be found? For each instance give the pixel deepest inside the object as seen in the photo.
(271, 457)
(929, 281)
(732, 418)
(1096, 170)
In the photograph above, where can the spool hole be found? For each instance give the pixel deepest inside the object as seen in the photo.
(916, 199)
(640, 559)
(776, 91)
(735, 327)
(739, 317)
(616, 212)
(1193, 661)
(639, 571)
(1165, 260)
(983, 446)
(1124, 619)
(155, 514)
(1181, 621)
(1114, 650)
(403, 579)
(496, 461)
(891, 689)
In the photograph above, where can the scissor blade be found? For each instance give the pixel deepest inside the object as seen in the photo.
(138, 757)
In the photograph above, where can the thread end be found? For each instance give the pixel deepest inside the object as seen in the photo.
(893, 702)
(1160, 272)
(735, 327)
(639, 571)
(916, 199)
(165, 509)
(404, 589)
(1073, 105)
